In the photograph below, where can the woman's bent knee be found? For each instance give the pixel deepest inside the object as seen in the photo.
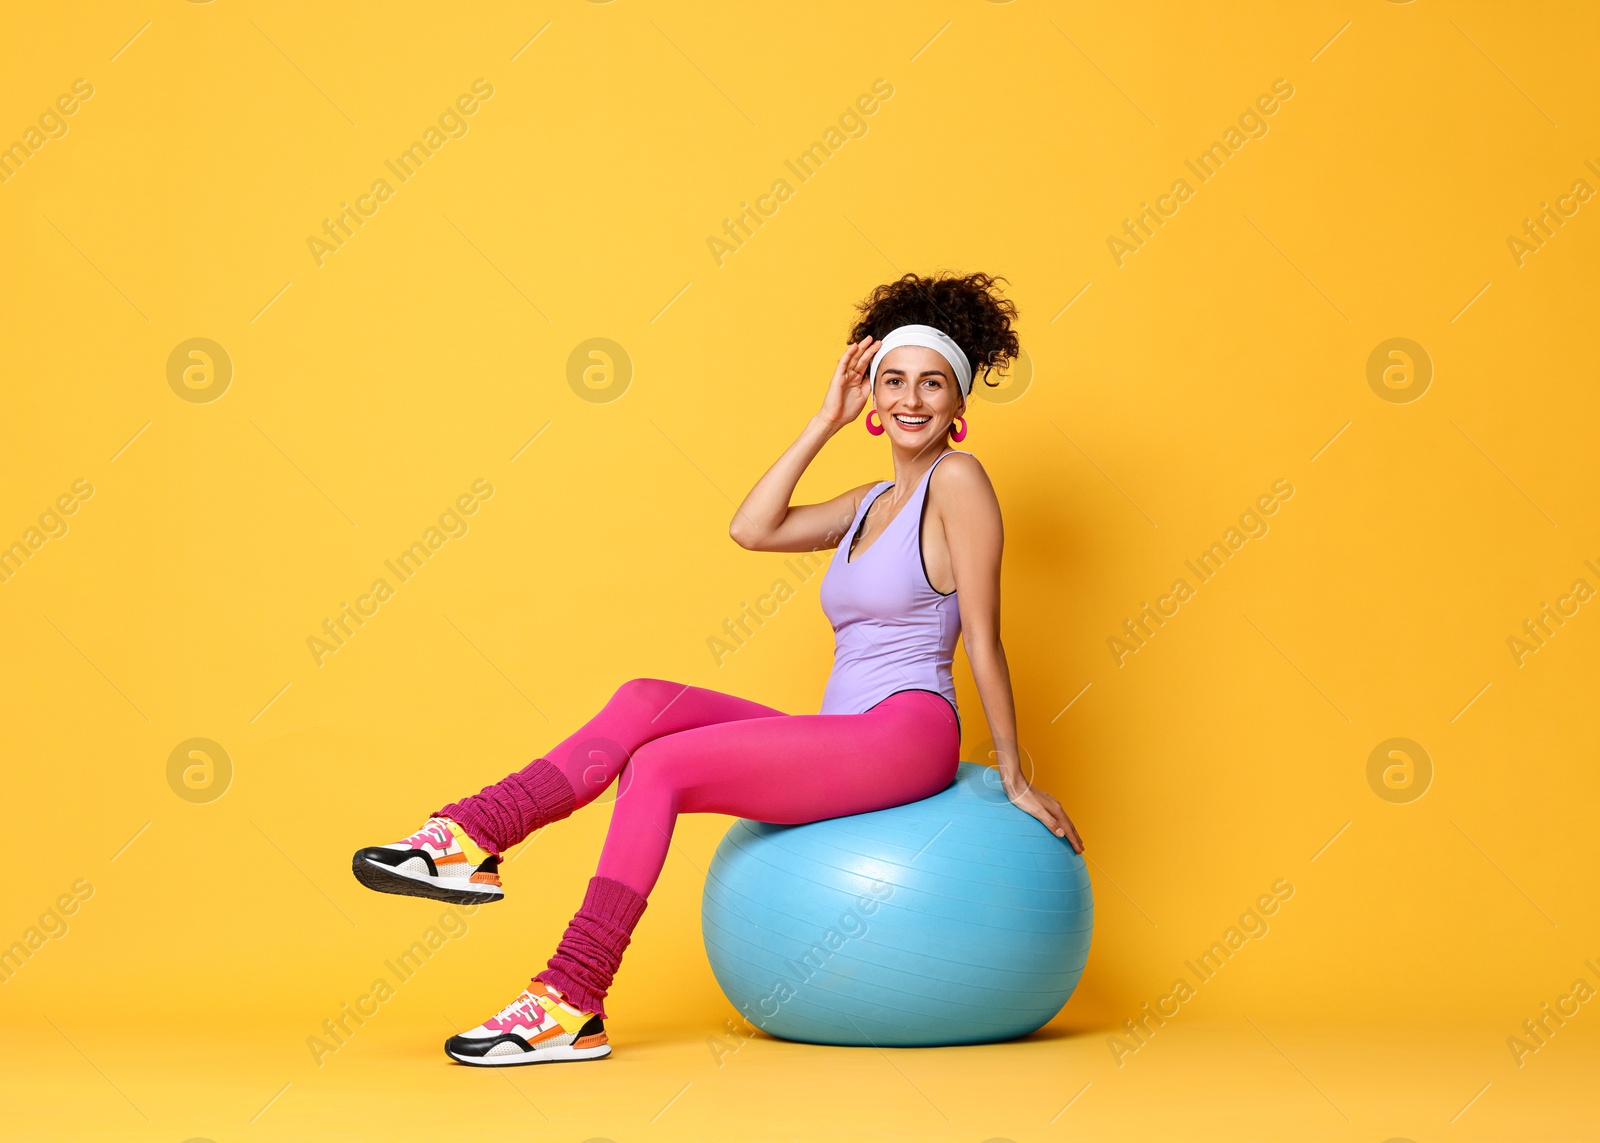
(651, 696)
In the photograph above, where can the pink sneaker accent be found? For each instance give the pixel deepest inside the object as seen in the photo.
(435, 835)
(524, 1014)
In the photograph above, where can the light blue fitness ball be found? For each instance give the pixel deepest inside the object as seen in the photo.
(957, 919)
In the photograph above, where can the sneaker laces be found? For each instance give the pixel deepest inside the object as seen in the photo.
(523, 1005)
(436, 833)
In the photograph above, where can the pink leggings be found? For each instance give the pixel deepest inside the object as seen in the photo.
(674, 749)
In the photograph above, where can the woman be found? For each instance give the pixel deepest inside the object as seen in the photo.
(918, 563)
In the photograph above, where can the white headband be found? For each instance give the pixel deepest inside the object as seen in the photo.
(929, 338)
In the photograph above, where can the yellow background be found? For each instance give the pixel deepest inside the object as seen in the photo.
(372, 390)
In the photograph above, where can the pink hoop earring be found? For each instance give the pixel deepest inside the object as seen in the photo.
(959, 435)
(876, 429)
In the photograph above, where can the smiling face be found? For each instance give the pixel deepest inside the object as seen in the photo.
(917, 395)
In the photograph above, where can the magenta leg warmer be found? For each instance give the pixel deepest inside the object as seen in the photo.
(586, 960)
(503, 814)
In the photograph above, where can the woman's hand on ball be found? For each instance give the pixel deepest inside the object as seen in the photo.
(1045, 807)
(850, 388)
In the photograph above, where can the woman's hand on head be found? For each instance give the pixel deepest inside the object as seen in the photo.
(850, 387)
(1044, 807)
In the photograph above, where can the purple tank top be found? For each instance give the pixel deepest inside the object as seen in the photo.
(892, 631)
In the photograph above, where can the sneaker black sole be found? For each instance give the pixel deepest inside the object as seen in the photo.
(386, 879)
(558, 1055)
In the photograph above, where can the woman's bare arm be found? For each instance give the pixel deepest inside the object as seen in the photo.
(969, 513)
(766, 521)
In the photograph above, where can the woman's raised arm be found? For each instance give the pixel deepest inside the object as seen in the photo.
(766, 522)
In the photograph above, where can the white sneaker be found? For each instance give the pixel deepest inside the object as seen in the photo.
(538, 1027)
(433, 862)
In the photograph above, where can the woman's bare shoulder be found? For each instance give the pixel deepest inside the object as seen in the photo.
(961, 477)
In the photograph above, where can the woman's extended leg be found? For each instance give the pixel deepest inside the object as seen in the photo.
(581, 766)
(455, 856)
(785, 769)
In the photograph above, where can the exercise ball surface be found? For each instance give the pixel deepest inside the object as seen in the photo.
(957, 919)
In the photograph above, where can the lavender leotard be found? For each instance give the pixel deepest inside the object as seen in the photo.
(892, 630)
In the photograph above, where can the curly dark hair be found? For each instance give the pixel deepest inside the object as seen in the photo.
(968, 307)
